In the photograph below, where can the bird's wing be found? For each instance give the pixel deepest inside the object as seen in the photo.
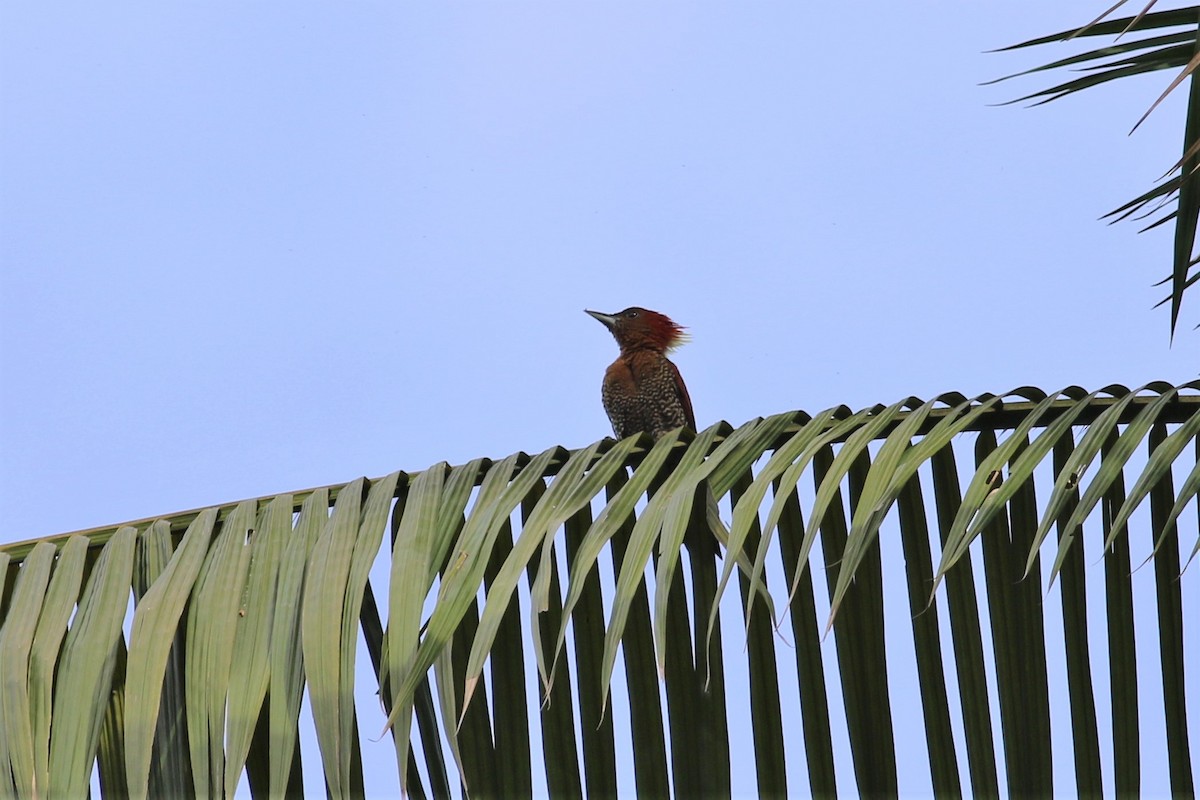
(681, 390)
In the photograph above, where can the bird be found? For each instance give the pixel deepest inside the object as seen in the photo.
(643, 390)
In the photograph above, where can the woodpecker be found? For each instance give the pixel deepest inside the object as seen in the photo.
(643, 390)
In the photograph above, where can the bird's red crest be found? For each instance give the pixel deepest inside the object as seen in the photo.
(666, 332)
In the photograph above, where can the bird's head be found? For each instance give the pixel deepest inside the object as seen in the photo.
(639, 328)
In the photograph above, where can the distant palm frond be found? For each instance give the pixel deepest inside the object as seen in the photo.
(1176, 50)
(239, 609)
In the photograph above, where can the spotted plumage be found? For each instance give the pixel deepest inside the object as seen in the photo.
(642, 389)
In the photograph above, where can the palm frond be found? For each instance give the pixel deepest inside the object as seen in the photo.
(1178, 50)
(239, 609)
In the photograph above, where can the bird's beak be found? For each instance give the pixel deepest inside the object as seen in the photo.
(608, 320)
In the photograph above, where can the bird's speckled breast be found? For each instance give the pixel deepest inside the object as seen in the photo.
(640, 394)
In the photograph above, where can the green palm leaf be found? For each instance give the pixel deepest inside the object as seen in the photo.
(86, 665)
(285, 651)
(412, 559)
(15, 643)
(154, 627)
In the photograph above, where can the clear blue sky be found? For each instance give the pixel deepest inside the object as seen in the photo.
(255, 247)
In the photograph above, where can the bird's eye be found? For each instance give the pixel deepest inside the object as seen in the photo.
(631, 314)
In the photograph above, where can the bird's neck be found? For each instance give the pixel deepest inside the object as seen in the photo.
(642, 350)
